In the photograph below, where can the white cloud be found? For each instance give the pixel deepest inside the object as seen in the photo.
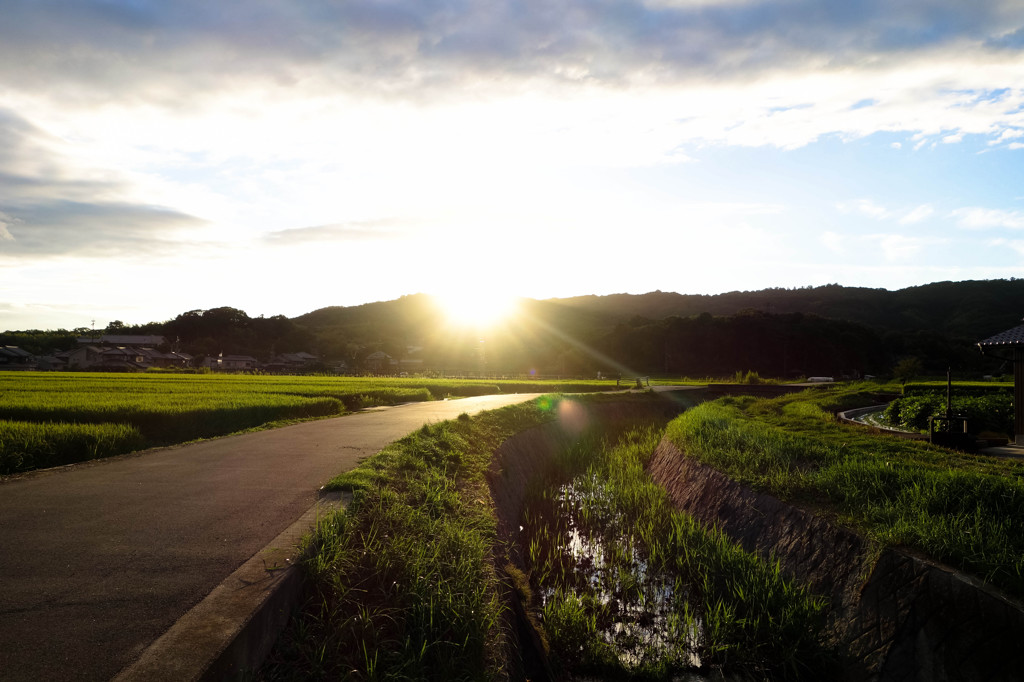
(832, 241)
(977, 218)
(897, 247)
(865, 207)
(917, 215)
(5, 222)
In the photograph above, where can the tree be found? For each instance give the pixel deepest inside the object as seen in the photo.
(906, 369)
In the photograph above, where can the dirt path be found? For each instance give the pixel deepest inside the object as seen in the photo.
(97, 561)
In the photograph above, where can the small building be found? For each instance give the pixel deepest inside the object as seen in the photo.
(380, 363)
(12, 357)
(122, 340)
(292, 362)
(1009, 345)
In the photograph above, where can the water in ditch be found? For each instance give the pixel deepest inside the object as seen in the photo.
(600, 596)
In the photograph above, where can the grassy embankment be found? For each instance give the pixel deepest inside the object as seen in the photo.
(403, 584)
(50, 419)
(406, 583)
(634, 589)
(964, 510)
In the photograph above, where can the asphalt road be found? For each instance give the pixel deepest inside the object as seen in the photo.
(98, 560)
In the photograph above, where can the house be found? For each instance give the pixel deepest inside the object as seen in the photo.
(412, 361)
(237, 362)
(123, 340)
(230, 363)
(83, 357)
(380, 362)
(121, 358)
(292, 362)
(12, 357)
(1009, 345)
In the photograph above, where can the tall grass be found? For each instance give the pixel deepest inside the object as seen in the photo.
(25, 445)
(965, 510)
(403, 582)
(174, 408)
(635, 589)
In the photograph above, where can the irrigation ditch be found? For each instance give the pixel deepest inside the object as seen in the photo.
(890, 614)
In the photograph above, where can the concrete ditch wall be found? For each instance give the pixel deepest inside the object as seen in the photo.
(898, 616)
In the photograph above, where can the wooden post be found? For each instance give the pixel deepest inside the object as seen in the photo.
(1018, 394)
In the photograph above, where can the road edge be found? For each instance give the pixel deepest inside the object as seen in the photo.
(233, 628)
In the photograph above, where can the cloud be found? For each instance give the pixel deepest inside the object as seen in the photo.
(1013, 244)
(977, 218)
(897, 247)
(865, 207)
(917, 215)
(5, 222)
(832, 241)
(49, 205)
(366, 230)
(875, 211)
(405, 43)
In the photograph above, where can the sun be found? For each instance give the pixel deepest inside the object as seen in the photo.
(471, 305)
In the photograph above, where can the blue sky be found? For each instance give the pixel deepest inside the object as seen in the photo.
(282, 156)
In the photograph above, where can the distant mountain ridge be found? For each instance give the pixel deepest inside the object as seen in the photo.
(968, 309)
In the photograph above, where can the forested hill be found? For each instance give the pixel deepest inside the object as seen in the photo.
(970, 309)
(828, 330)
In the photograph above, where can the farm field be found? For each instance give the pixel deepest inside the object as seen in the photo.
(965, 510)
(52, 419)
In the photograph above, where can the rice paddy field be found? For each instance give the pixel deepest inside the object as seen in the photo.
(56, 418)
(965, 510)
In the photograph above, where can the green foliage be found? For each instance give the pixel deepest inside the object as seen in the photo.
(750, 377)
(987, 413)
(25, 446)
(907, 369)
(965, 510)
(168, 408)
(403, 583)
(633, 589)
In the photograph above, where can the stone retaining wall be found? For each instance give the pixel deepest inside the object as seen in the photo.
(897, 616)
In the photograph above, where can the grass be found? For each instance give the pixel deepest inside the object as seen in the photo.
(964, 510)
(168, 408)
(633, 589)
(26, 445)
(404, 584)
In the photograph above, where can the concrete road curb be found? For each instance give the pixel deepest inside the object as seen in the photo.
(233, 628)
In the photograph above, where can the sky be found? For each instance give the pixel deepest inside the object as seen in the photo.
(283, 156)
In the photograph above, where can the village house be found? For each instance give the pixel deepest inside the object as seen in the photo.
(12, 357)
(380, 362)
(123, 340)
(291, 362)
(230, 363)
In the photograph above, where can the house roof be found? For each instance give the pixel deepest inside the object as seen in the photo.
(1011, 337)
(124, 340)
(14, 352)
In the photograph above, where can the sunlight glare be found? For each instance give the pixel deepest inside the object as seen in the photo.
(474, 306)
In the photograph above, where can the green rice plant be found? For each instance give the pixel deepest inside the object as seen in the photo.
(25, 445)
(403, 583)
(964, 510)
(171, 408)
(633, 589)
